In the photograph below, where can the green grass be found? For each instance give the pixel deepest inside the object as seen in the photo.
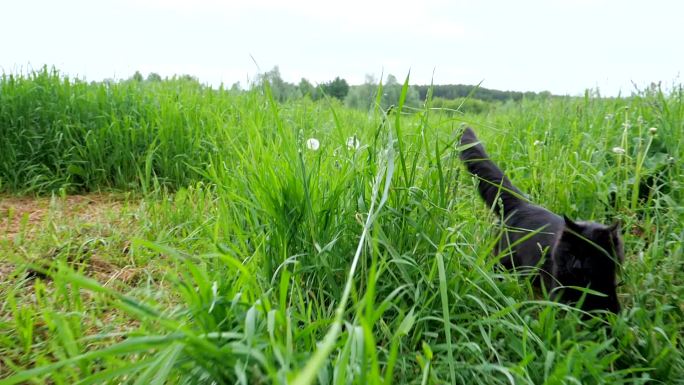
(251, 259)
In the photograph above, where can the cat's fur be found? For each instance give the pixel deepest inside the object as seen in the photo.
(577, 254)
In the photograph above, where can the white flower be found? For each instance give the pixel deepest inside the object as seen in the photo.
(627, 125)
(653, 130)
(619, 150)
(609, 116)
(538, 142)
(353, 143)
(313, 144)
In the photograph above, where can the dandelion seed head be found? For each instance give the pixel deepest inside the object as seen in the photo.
(353, 143)
(618, 150)
(313, 144)
(653, 130)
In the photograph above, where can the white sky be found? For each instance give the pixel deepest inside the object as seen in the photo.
(563, 46)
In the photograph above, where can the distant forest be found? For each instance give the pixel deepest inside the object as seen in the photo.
(456, 97)
(455, 91)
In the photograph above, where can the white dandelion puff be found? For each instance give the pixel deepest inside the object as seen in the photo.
(619, 150)
(653, 130)
(353, 143)
(313, 144)
(538, 142)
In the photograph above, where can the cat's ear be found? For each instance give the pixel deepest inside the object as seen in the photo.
(570, 224)
(576, 264)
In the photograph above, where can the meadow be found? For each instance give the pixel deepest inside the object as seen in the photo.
(191, 235)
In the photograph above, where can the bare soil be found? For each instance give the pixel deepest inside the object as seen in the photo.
(25, 217)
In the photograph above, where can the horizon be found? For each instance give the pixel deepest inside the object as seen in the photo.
(243, 87)
(564, 47)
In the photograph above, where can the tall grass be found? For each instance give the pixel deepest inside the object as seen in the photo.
(273, 263)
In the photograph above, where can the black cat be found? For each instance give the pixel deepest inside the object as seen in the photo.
(578, 254)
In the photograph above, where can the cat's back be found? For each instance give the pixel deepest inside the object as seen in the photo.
(531, 232)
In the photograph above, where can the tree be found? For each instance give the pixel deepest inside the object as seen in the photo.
(391, 92)
(307, 89)
(337, 88)
(236, 87)
(362, 96)
(280, 89)
(137, 76)
(154, 77)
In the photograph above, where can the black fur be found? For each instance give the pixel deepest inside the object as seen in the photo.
(568, 253)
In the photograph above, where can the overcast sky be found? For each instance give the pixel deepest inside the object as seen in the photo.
(563, 46)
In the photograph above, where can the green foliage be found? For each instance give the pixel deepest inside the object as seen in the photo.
(260, 260)
(154, 77)
(307, 89)
(59, 133)
(280, 89)
(455, 91)
(337, 88)
(462, 105)
(364, 96)
(137, 77)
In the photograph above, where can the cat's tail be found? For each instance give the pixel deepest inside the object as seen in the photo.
(493, 185)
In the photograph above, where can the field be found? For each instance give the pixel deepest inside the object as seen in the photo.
(170, 233)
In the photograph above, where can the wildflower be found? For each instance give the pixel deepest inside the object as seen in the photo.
(627, 125)
(618, 150)
(609, 116)
(353, 143)
(538, 142)
(313, 144)
(653, 130)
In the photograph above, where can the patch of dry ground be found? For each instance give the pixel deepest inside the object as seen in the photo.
(91, 232)
(25, 217)
(26, 214)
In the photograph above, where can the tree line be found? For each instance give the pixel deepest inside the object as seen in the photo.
(461, 97)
